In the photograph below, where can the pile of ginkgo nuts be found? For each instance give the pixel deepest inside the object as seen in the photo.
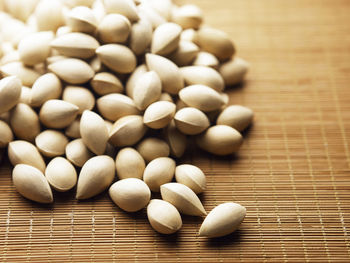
(108, 88)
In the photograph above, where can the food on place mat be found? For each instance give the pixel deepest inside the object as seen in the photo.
(61, 174)
(129, 164)
(119, 87)
(191, 176)
(163, 216)
(183, 198)
(158, 172)
(223, 220)
(31, 183)
(130, 194)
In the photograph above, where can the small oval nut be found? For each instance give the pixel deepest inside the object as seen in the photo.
(191, 121)
(236, 116)
(77, 152)
(23, 152)
(159, 114)
(191, 176)
(51, 143)
(163, 217)
(32, 184)
(130, 194)
(61, 174)
(183, 198)
(158, 172)
(10, 92)
(129, 164)
(95, 176)
(223, 220)
(220, 140)
(152, 148)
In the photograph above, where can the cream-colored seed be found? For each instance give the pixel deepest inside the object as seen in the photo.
(114, 28)
(23, 152)
(234, 71)
(61, 174)
(163, 217)
(188, 35)
(10, 92)
(152, 148)
(130, 194)
(188, 16)
(206, 59)
(104, 83)
(147, 11)
(82, 19)
(63, 30)
(185, 53)
(49, 15)
(159, 114)
(78, 45)
(201, 97)
(158, 172)
(72, 70)
(135, 75)
(94, 132)
(114, 106)
(127, 131)
(162, 7)
(203, 75)
(140, 36)
(117, 57)
(27, 75)
(58, 114)
(191, 121)
(95, 176)
(129, 164)
(79, 96)
(165, 39)
(166, 97)
(168, 72)
(31, 183)
(176, 140)
(73, 130)
(77, 152)
(24, 122)
(191, 176)
(216, 42)
(236, 116)
(223, 220)
(183, 198)
(220, 140)
(26, 95)
(18, 10)
(6, 135)
(35, 48)
(147, 90)
(123, 7)
(51, 143)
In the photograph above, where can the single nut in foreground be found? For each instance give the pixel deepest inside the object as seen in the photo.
(223, 220)
(31, 183)
(130, 194)
(152, 148)
(95, 176)
(163, 217)
(183, 198)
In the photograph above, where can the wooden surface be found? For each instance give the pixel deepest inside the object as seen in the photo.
(292, 173)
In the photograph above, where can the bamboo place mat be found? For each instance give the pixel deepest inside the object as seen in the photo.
(292, 173)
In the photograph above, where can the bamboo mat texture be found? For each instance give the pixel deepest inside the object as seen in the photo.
(292, 173)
